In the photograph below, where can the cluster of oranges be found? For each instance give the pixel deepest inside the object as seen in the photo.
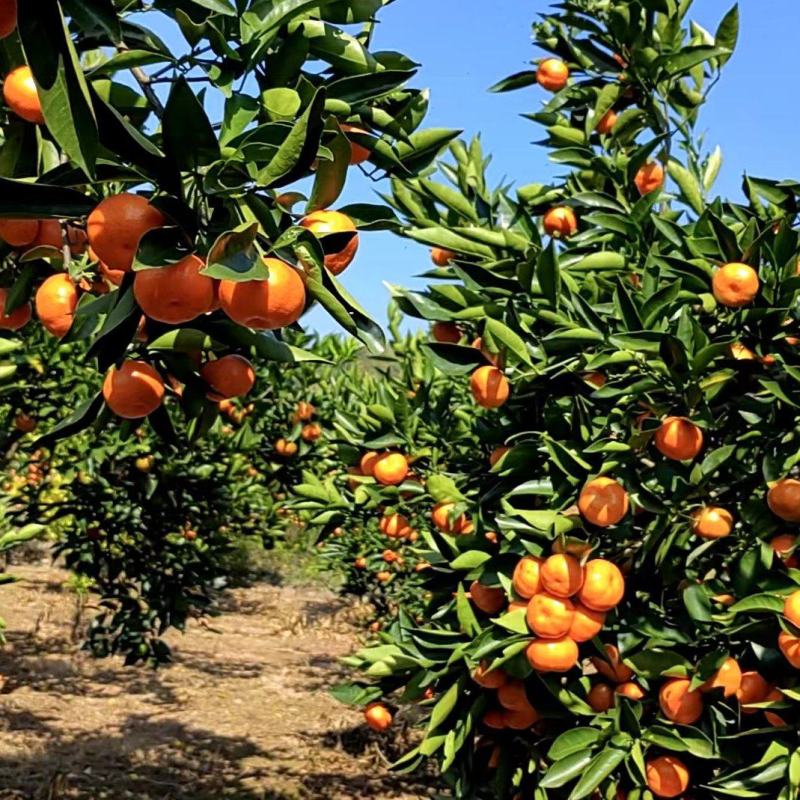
(309, 432)
(388, 469)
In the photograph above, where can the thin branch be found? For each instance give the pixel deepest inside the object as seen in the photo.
(144, 81)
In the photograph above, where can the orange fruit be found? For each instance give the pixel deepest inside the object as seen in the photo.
(51, 233)
(494, 718)
(600, 697)
(789, 645)
(679, 439)
(229, 376)
(395, 526)
(368, 463)
(552, 655)
(783, 546)
(526, 579)
(442, 257)
(18, 232)
(513, 696)
(22, 95)
(783, 499)
(667, 776)
(586, 623)
(489, 387)
(679, 703)
(611, 666)
(113, 276)
(304, 412)
(649, 178)
(311, 433)
(791, 608)
(18, 318)
(517, 605)
(378, 717)
(494, 358)
(441, 519)
(284, 448)
(607, 122)
(56, 301)
(712, 522)
(560, 222)
(728, 678)
(488, 599)
(520, 719)
(603, 502)
(741, 353)
(175, 294)
(550, 617)
(358, 153)
(774, 696)
(561, 575)
(493, 679)
(597, 379)
(735, 285)
(116, 226)
(630, 690)
(323, 223)
(133, 390)
(8, 17)
(753, 689)
(552, 74)
(603, 585)
(497, 454)
(274, 303)
(390, 469)
(446, 332)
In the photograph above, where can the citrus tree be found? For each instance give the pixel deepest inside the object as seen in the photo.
(634, 634)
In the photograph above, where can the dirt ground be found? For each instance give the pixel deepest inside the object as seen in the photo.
(243, 713)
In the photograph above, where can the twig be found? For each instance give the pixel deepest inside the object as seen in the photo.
(144, 81)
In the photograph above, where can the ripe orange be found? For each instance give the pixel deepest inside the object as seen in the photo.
(304, 412)
(358, 153)
(791, 608)
(488, 599)
(497, 454)
(789, 645)
(560, 222)
(728, 678)
(22, 95)
(712, 522)
(586, 623)
(600, 697)
(323, 223)
(51, 233)
(175, 294)
(489, 387)
(783, 499)
(667, 776)
(284, 448)
(552, 74)
(56, 301)
(265, 305)
(611, 666)
(520, 719)
(552, 655)
(753, 689)
(134, 390)
(18, 318)
(8, 17)
(390, 469)
(526, 579)
(360, 563)
(18, 232)
(735, 285)
(561, 575)
(603, 585)
(649, 178)
(597, 379)
(116, 226)
(446, 332)
(113, 276)
(513, 696)
(494, 719)
(368, 463)
(395, 526)
(311, 433)
(679, 703)
(549, 616)
(603, 502)
(493, 357)
(493, 679)
(441, 519)
(229, 376)
(631, 690)
(442, 257)
(607, 122)
(783, 546)
(774, 696)
(679, 439)
(378, 717)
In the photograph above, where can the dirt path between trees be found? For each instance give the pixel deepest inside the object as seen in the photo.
(243, 713)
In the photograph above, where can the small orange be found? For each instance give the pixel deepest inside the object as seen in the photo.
(561, 575)
(600, 697)
(395, 526)
(728, 678)
(229, 376)
(389, 556)
(446, 333)
(712, 522)
(513, 696)
(56, 301)
(274, 303)
(649, 178)
(442, 257)
(441, 519)
(390, 469)
(360, 563)
(630, 690)
(783, 546)
(489, 387)
(791, 608)
(383, 577)
(133, 390)
(324, 223)
(611, 666)
(783, 499)
(304, 412)
(735, 285)
(667, 776)
(679, 703)
(116, 226)
(603, 585)
(177, 293)
(488, 599)
(550, 617)
(552, 655)
(560, 222)
(789, 645)
(22, 95)
(520, 719)
(603, 502)
(358, 153)
(286, 449)
(679, 439)
(368, 463)
(311, 432)
(552, 74)
(586, 623)
(497, 454)
(18, 318)
(607, 122)
(18, 232)
(753, 689)
(526, 579)
(113, 276)
(378, 717)
(775, 696)
(494, 718)
(489, 679)
(8, 18)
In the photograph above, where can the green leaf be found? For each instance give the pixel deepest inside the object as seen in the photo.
(189, 138)
(566, 769)
(235, 257)
(601, 766)
(727, 34)
(500, 338)
(331, 175)
(573, 741)
(691, 192)
(548, 274)
(470, 560)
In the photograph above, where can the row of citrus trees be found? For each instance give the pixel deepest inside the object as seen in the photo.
(611, 597)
